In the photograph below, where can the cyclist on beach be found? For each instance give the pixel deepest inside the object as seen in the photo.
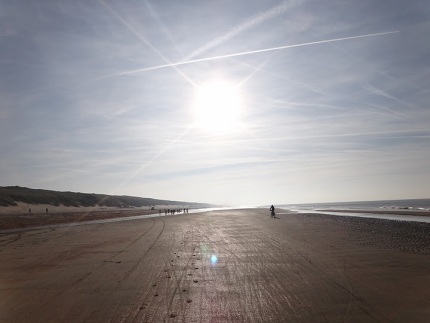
(272, 211)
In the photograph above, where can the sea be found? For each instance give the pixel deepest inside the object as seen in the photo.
(417, 205)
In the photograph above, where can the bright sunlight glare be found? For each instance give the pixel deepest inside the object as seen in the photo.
(217, 107)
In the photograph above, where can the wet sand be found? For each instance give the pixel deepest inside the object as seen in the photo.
(16, 221)
(394, 212)
(296, 268)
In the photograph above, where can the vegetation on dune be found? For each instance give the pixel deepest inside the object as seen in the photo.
(10, 195)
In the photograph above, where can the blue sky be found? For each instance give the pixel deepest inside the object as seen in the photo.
(98, 97)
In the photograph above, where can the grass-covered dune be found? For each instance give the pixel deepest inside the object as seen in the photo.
(11, 195)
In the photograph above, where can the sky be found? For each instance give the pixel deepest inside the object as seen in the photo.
(312, 101)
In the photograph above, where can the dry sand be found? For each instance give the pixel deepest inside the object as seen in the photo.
(296, 268)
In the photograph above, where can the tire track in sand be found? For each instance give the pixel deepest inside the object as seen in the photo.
(128, 275)
(81, 279)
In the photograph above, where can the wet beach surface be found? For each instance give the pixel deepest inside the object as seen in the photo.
(220, 266)
(20, 221)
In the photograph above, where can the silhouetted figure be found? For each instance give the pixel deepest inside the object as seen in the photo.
(272, 211)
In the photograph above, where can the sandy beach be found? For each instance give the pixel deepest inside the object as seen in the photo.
(18, 217)
(220, 266)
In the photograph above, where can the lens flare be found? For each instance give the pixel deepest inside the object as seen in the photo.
(214, 259)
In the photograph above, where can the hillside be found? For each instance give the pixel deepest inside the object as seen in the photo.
(11, 195)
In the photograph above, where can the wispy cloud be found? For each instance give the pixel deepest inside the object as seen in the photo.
(145, 41)
(335, 98)
(374, 90)
(249, 23)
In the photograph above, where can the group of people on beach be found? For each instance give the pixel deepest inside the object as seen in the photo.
(168, 211)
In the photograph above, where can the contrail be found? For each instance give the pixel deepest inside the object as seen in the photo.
(247, 24)
(152, 68)
(162, 25)
(145, 41)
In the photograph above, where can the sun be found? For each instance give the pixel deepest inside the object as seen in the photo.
(217, 107)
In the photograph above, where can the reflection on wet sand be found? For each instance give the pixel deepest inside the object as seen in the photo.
(219, 266)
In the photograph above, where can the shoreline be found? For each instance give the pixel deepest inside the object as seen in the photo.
(393, 212)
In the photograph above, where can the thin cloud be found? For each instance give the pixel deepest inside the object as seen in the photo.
(160, 23)
(247, 24)
(145, 41)
(374, 90)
